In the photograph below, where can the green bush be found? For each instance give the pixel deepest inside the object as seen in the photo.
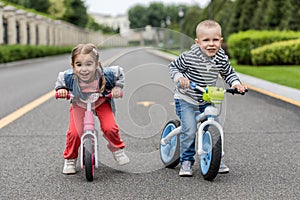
(277, 53)
(9, 53)
(241, 44)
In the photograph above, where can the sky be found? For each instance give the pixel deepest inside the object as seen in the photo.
(116, 7)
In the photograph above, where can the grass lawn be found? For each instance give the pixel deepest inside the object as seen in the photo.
(283, 75)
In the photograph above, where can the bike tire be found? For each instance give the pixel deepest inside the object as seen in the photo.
(169, 153)
(89, 165)
(210, 161)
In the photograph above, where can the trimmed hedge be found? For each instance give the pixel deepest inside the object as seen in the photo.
(241, 44)
(277, 53)
(9, 53)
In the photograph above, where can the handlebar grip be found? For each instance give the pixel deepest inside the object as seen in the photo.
(193, 85)
(109, 95)
(235, 91)
(57, 96)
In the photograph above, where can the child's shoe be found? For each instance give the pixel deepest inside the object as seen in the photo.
(69, 166)
(121, 157)
(223, 168)
(186, 169)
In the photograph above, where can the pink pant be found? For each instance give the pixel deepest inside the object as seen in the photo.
(108, 126)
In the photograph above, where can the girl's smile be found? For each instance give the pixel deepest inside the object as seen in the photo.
(85, 67)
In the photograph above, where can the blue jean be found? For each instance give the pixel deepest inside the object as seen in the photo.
(187, 114)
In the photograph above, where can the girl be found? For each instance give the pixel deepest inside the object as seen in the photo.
(87, 76)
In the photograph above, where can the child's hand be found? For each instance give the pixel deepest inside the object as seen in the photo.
(184, 82)
(62, 93)
(240, 88)
(116, 92)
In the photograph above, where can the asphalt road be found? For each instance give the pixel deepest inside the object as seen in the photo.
(262, 137)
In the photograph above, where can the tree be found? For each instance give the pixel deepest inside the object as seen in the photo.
(192, 17)
(290, 15)
(246, 14)
(233, 22)
(137, 16)
(156, 14)
(38, 5)
(76, 13)
(273, 14)
(258, 15)
(57, 8)
(294, 20)
(223, 16)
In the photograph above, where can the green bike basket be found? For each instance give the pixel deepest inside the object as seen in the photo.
(213, 95)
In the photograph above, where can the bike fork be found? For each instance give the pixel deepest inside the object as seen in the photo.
(200, 135)
(89, 132)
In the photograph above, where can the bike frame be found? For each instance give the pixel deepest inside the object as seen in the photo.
(203, 119)
(89, 130)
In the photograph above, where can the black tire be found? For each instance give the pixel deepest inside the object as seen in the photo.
(210, 162)
(88, 159)
(169, 153)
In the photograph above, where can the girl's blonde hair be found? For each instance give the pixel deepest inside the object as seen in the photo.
(92, 50)
(85, 49)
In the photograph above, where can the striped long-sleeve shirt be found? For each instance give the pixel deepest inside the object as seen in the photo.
(202, 70)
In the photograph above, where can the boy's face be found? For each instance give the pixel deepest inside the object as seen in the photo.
(85, 67)
(209, 40)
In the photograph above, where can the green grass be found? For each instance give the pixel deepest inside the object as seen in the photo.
(283, 75)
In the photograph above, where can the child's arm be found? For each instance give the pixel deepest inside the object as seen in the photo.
(176, 68)
(119, 77)
(230, 76)
(117, 81)
(60, 86)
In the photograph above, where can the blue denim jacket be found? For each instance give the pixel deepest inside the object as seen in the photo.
(114, 76)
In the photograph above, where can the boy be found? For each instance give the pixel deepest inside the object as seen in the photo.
(202, 64)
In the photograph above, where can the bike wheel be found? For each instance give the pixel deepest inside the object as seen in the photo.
(89, 159)
(169, 153)
(210, 160)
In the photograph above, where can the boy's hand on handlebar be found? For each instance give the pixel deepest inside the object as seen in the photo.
(184, 82)
(62, 93)
(240, 88)
(116, 92)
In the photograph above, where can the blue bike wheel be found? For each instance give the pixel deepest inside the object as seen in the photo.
(169, 153)
(210, 160)
(205, 159)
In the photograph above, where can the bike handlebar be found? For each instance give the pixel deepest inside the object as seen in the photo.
(109, 95)
(58, 97)
(233, 91)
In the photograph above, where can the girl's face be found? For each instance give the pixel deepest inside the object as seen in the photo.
(85, 67)
(209, 40)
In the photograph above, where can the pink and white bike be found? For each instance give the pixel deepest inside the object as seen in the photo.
(89, 138)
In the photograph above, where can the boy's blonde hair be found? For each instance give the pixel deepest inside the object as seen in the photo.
(208, 24)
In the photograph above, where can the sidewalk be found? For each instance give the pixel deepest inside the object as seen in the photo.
(277, 91)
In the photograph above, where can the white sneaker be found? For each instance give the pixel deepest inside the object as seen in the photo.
(186, 169)
(70, 166)
(120, 157)
(223, 168)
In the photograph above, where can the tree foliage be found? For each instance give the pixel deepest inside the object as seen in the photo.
(38, 5)
(233, 15)
(137, 17)
(76, 12)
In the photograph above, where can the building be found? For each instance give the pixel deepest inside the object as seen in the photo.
(116, 22)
